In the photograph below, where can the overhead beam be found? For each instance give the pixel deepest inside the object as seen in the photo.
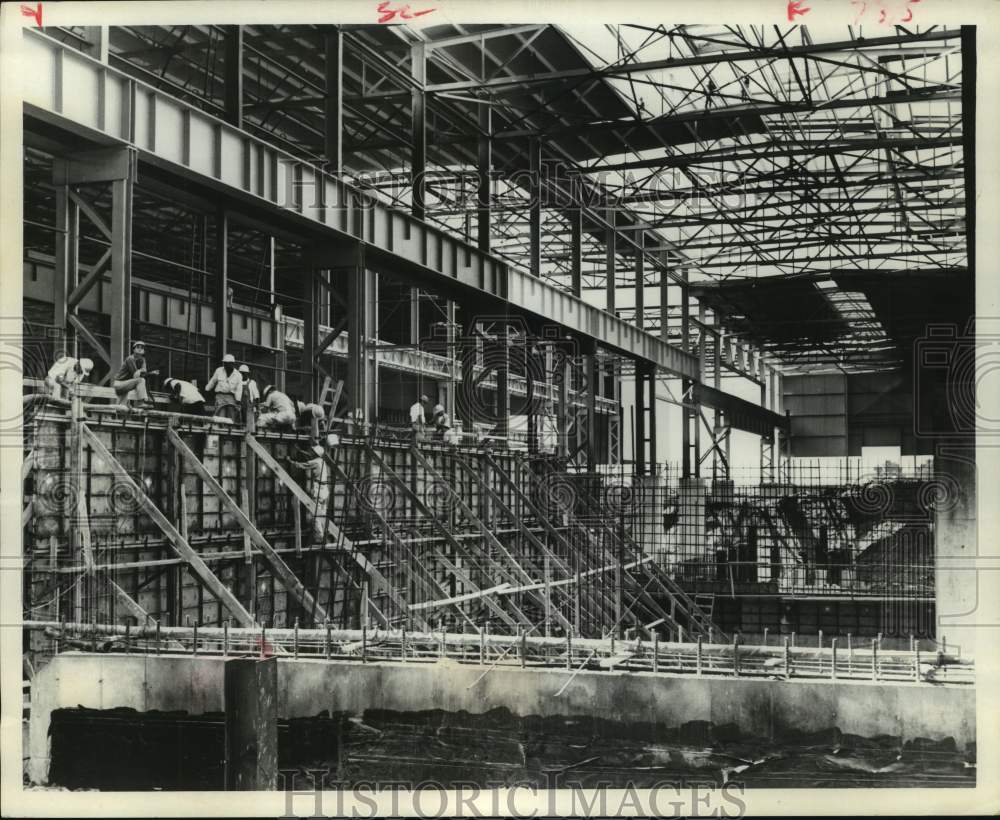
(756, 54)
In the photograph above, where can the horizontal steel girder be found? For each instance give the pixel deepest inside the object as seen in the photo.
(202, 149)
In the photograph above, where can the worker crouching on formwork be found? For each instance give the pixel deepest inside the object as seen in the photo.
(311, 462)
(277, 411)
(185, 397)
(65, 374)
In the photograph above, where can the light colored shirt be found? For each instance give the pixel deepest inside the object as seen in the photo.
(189, 394)
(253, 392)
(221, 383)
(64, 370)
(417, 412)
(277, 402)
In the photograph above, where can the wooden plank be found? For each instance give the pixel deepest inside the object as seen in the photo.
(288, 578)
(450, 538)
(177, 541)
(339, 538)
(518, 570)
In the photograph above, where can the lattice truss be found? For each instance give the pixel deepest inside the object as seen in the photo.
(731, 152)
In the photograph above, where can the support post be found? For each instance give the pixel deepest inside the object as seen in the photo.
(610, 236)
(576, 251)
(333, 100)
(251, 704)
(535, 207)
(233, 67)
(484, 169)
(418, 141)
(221, 283)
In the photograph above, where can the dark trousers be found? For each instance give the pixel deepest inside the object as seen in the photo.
(194, 409)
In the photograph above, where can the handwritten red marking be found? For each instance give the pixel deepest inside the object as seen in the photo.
(35, 12)
(388, 13)
(795, 8)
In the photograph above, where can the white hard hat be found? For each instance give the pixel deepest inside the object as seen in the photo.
(243, 368)
(229, 358)
(316, 411)
(86, 365)
(318, 449)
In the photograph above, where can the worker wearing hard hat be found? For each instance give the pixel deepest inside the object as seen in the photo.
(130, 380)
(276, 410)
(227, 383)
(65, 373)
(311, 462)
(185, 397)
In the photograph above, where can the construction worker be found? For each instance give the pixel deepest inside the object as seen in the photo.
(66, 372)
(250, 386)
(185, 397)
(276, 410)
(312, 464)
(441, 421)
(251, 394)
(130, 381)
(227, 383)
(307, 411)
(418, 420)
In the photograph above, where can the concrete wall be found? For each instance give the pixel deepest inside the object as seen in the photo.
(764, 708)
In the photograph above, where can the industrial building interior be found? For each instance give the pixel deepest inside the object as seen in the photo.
(696, 301)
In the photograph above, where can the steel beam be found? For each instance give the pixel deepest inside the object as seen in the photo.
(418, 133)
(333, 100)
(221, 283)
(484, 173)
(756, 54)
(233, 80)
(246, 169)
(535, 207)
(575, 217)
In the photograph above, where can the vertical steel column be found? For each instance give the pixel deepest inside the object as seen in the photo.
(503, 385)
(689, 415)
(97, 42)
(576, 251)
(418, 142)
(362, 325)
(414, 316)
(609, 246)
(535, 207)
(562, 411)
(640, 279)
(484, 170)
(590, 363)
(639, 454)
(221, 285)
(664, 303)
(652, 419)
(716, 413)
(67, 272)
(121, 266)
(333, 100)
(233, 68)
